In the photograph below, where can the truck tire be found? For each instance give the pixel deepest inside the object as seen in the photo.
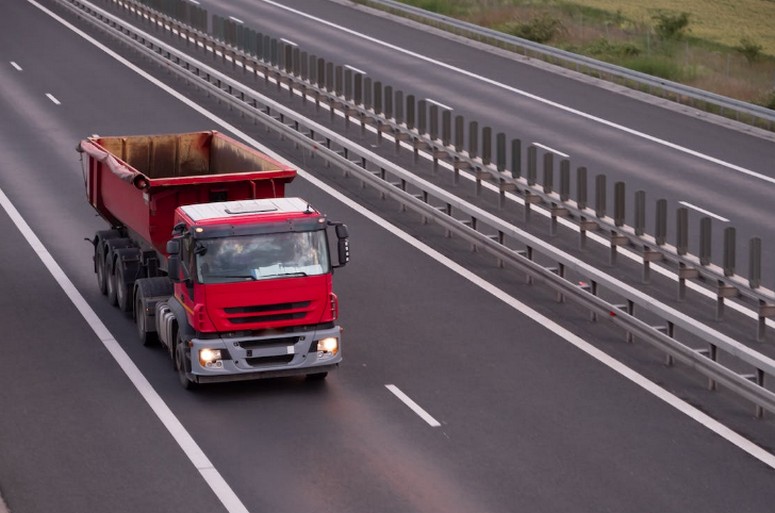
(145, 288)
(99, 256)
(182, 366)
(318, 376)
(126, 266)
(109, 251)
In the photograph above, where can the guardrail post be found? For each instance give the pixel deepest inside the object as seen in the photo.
(339, 81)
(368, 93)
(581, 188)
(487, 145)
(516, 158)
(581, 203)
(329, 76)
(755, 263)
(500, 165)
(358, 88)
(548, 184)
(640, 213)
(378, 106)
(306, 68)
(422, 117)
(564, 180)
(459, 134)
(273, 52)
(296, 61)
(682, 231)
(267, 55)
(434, 122)
(660, 236)
(619, 203)
(729, 251)
(705, 240)
(258, 49)
(446, 127)
(410, 111)
(681, 246)
(600, 195)
(348, 87)
(473, 139)
(532, 165)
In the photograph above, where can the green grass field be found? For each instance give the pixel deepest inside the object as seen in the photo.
(718, 21)
(708, 54)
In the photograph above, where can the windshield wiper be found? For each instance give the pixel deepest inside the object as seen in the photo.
(295, 273)
(231, 276)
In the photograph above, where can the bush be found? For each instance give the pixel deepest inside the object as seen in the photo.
(541, 29)
(656, 66)
(750, 50)
(603, 47)
(671, 25)
(769, 100)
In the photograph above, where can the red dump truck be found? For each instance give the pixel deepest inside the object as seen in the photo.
(214, 262)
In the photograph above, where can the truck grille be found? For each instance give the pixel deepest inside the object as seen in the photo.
(268, 342)
(269, 360)
(267, 313)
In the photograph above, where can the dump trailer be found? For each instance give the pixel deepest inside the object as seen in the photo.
(213, 261)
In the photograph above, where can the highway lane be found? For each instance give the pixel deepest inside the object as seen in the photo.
(527, 420)
(672, 154)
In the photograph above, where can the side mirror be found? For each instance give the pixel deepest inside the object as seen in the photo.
(173, 247)
(343, 244)
(173, 261)
(341, 231)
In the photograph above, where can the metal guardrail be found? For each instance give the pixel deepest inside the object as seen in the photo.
(445, 209)
(739, 110)
(430, 128)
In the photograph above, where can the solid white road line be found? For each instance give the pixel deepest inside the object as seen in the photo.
(439, 104)
(424, 415)
(551, 150)
(353, 68)
(703, 211)
(18, 68)
(157, 404)
(53, 99)
(222, 489)
(531, 96)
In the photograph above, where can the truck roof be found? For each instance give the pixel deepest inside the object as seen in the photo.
(226, 210)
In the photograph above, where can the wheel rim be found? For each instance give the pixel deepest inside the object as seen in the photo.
(120, 292)
(140, 319)
(111, 285)
(101, 272)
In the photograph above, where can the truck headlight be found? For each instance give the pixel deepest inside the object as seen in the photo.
(328, 345)
(210, 357)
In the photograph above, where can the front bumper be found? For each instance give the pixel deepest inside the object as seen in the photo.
(246, 358)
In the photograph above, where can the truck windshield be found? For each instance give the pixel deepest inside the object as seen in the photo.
(260, 257)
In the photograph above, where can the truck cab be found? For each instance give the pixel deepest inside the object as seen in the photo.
(252, 283)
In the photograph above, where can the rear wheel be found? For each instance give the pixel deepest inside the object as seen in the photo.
(102, 275)
(126, 269)
(109, 265)
(100, 251)
(111, 281)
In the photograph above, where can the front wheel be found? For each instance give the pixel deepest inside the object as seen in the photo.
(318, 376)
(181, 364)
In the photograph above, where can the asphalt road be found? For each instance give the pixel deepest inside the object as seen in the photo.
(527, 421)
(670, 152)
